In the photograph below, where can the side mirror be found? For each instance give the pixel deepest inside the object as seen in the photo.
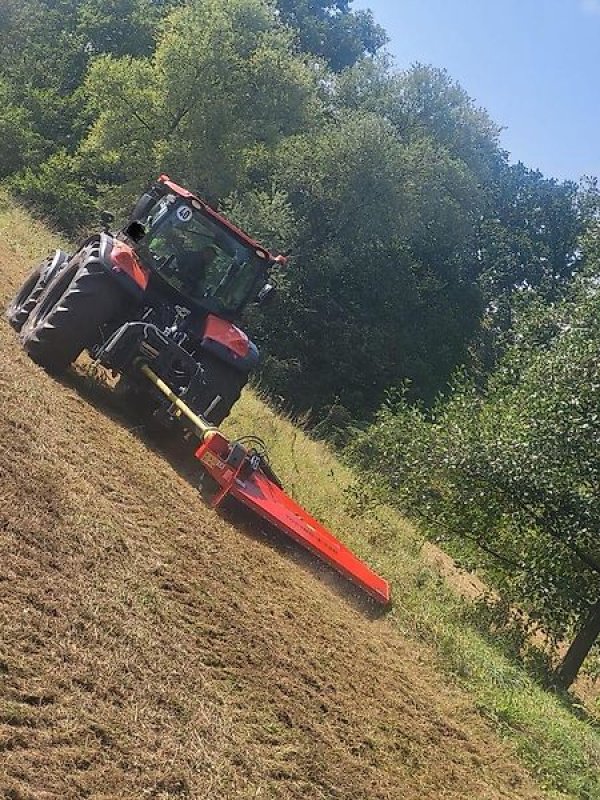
(267, 294)
(142, 207)
(107, 219)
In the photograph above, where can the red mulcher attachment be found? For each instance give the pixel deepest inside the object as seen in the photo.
(241, 473)
(245, 475)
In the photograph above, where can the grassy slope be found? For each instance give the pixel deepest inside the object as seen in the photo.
(150, 648)
(561, 750)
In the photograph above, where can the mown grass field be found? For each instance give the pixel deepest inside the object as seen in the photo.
(152, 648)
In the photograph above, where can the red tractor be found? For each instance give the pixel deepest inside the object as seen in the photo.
(164, 291)
(155, 303)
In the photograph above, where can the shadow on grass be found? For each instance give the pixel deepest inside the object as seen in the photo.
(179, 453)
(522, 644)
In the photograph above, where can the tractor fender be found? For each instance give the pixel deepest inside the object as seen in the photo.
(123, 263)
(229, 344)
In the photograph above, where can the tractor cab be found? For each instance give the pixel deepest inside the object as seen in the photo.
(212, 265)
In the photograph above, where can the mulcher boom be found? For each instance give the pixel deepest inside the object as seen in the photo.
(239, 472)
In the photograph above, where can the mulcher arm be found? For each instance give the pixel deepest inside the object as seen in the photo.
(241, 473)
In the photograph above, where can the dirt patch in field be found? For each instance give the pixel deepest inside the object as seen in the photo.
(149, 648)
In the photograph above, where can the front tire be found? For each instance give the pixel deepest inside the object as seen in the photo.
(71, 314)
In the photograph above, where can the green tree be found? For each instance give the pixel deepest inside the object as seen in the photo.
(220, 92)
(45, 49)
(527, 245)
(19, 143)
(510, 479)
(43, 60)
(362, 278)
(57, 187)
(121, 27)
(529, 238)
(332, 31)
(425, 101)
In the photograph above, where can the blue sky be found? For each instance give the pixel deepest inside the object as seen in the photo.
(533, 64)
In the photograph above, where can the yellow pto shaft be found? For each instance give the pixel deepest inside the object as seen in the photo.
(204, 429)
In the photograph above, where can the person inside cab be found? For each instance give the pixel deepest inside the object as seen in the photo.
(193, 266)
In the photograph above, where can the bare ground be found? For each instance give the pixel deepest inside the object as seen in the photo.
(150, 648)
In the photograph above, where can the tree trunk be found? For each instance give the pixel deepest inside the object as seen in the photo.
(580, 647)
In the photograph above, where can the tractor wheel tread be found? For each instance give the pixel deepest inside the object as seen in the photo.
(70, 313)
(25, 300)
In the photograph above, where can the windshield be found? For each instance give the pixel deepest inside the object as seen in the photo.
(198, 257)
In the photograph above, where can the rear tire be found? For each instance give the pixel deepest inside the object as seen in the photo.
(71, 313)
(31, 290)
(221, 379)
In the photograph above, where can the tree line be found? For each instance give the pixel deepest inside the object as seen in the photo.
(433, 285)
(403, 216)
